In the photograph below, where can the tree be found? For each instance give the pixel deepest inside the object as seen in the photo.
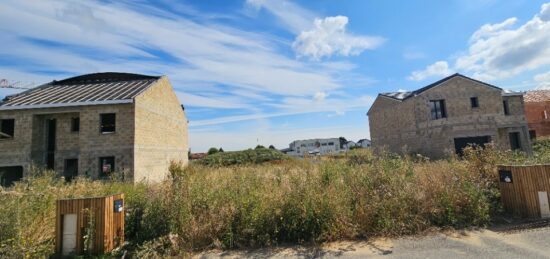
(220, 150)
(259, 147)
(212, 151)
(271, 147)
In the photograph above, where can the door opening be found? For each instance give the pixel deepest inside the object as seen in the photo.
(515, 143)
(71, 169)
(50, 143)
(461, 143)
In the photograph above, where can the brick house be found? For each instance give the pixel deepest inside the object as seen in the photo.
(446, 116)
(93, 125)
(537, 112)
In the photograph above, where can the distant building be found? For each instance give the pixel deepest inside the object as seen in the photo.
(364, 143)
(196, 156)
(93, 125)
(537, 112)
(350, 144)
(315, 147)
(325, 146)
(447, 116)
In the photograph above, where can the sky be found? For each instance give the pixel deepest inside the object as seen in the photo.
(269, 72)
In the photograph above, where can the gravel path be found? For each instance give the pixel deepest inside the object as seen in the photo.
(514, 242)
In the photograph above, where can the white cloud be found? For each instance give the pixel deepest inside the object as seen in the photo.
(439, 68)
(320, 96)
(492, 30)
(543, 80)
(501, 51)
(329, 37)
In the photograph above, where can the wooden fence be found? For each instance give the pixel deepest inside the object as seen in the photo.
(524, 190)
(107, 215)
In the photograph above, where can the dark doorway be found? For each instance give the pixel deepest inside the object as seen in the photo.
(50, 143)
(10, 174)
(515, 143)
(532, 134)
(71, 169)
(461, 143)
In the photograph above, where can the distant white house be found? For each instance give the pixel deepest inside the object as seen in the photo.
(320, 146)
(315, 147)
(364, 143)
(350, 144)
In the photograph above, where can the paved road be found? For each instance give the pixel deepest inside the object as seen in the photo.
(530, 243)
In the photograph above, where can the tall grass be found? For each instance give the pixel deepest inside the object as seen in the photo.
(294, 201)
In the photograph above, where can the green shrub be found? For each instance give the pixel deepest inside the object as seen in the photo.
(256, 156)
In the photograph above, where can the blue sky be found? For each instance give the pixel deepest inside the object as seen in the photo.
(271, 71)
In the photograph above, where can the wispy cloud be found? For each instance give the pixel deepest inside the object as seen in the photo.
(542, 80)
(213, 65)
(439, 68)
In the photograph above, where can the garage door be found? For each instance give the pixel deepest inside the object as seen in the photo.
(10, 174)
(461, 143)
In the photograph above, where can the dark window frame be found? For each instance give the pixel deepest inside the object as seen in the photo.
(506, 107)
(75, 124)
(6, 129)
(438, 109)
(474, 102)
(107, 125)
(103, 161)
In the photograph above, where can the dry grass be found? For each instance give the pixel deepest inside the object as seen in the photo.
(295, 201)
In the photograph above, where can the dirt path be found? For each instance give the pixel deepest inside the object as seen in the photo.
(501, 243)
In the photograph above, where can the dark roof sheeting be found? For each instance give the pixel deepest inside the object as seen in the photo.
(90, 89)
(405, 95)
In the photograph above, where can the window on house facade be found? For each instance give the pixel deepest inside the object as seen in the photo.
(75, 124)
(437, 109)
(331, 143)
(108, 122)
(506, 107)
(474, 102)
(7, 128)
(106, 166)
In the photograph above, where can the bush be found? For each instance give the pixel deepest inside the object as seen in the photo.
(256, 156)
(212, 151)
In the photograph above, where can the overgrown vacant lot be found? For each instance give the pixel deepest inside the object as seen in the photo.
(292, 201)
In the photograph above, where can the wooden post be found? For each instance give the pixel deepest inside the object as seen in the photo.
(520, 188)
(101, 216)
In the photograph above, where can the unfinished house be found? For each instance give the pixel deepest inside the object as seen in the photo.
(537, 112)
(94, 125)
(448, 115)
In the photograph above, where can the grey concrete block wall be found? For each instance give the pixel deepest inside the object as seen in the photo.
(150, 132)
(396, 124)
